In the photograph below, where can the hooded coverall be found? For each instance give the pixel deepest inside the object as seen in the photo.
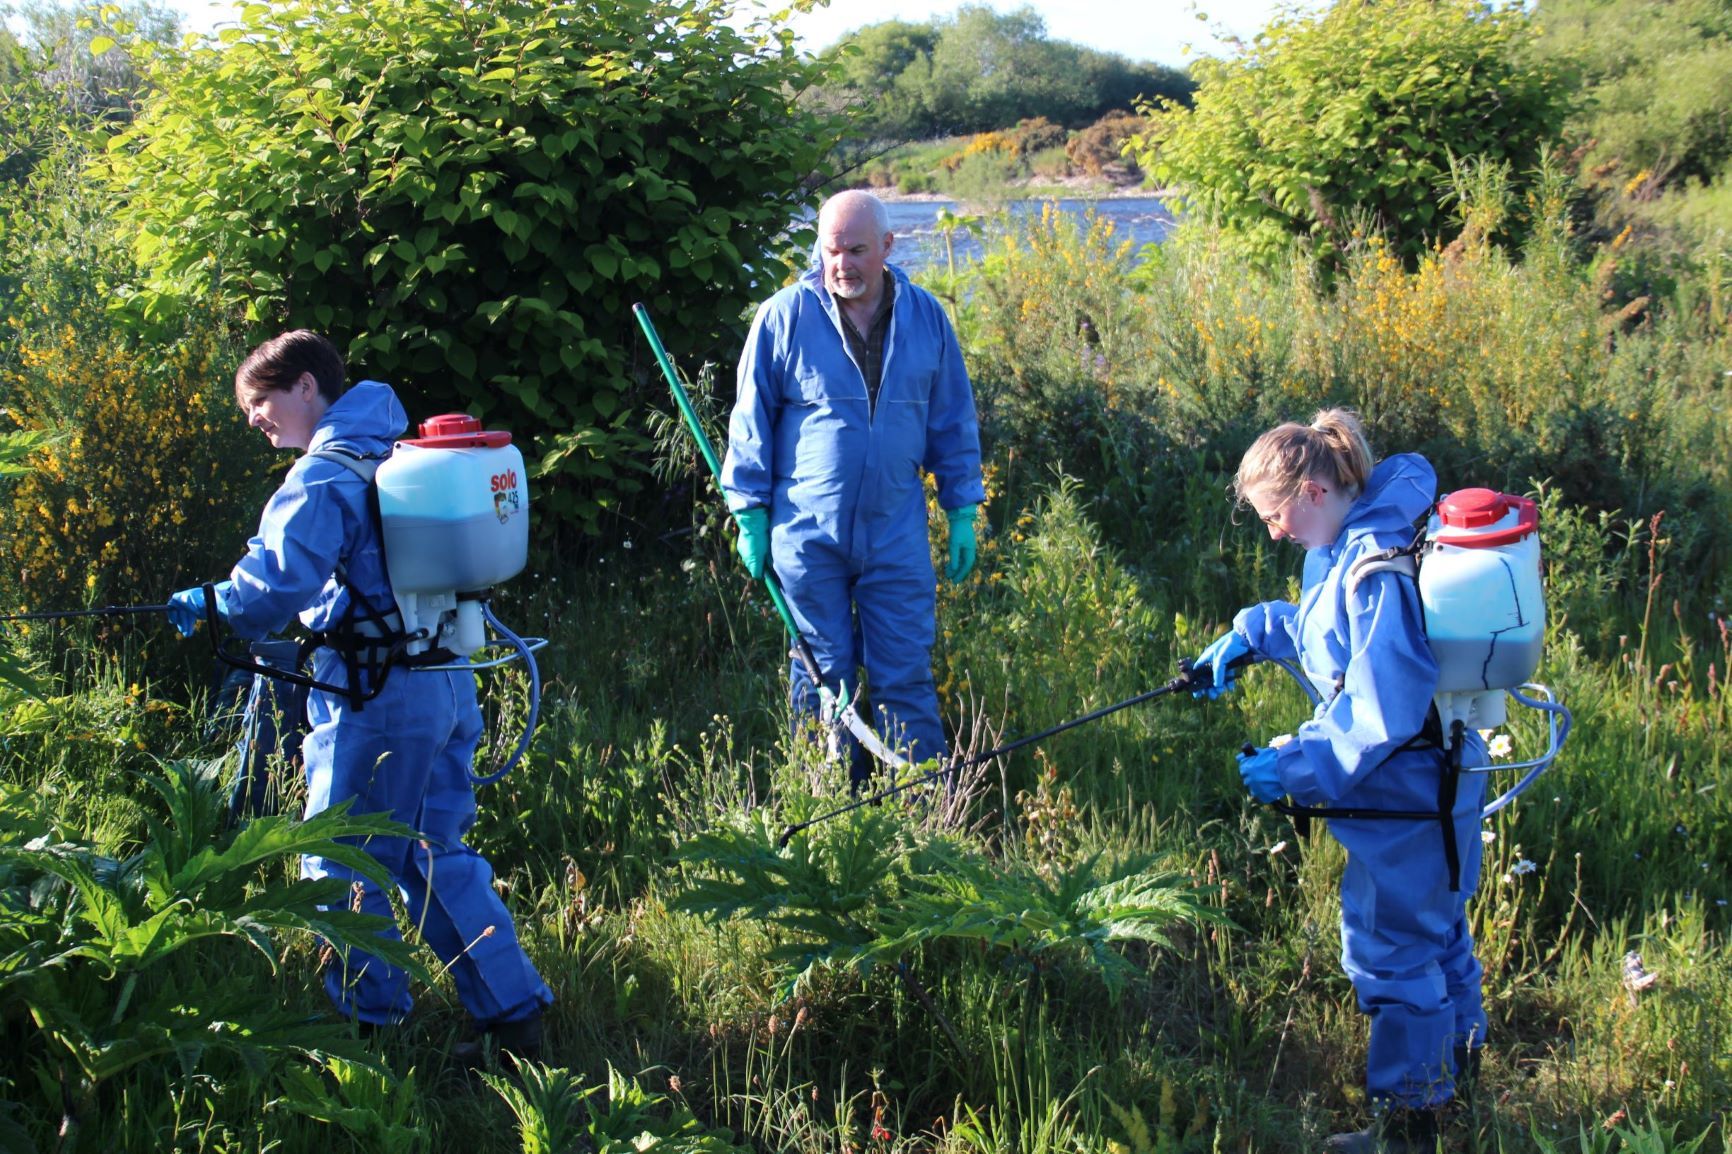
(1404, 935)
(840, 477)
(406, 752)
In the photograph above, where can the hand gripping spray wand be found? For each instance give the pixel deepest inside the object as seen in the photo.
(834, 711)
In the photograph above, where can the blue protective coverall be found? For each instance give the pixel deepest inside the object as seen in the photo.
(406, 752)
(1404, 935)
(841, 479)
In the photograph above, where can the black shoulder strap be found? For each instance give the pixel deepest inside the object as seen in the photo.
(1395, 559)
(362, 466)
(347, 638)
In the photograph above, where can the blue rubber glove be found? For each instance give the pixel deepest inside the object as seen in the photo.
(963, 547)
(1257, 771)
(1226, 648)
(186, 608)
(753, 544)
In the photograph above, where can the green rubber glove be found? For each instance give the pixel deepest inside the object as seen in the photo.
(753, 544)
(962, 544)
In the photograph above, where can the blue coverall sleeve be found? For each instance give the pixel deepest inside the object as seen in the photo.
(953, 430)
(299, 543)
(748, 469)
(1268, 627)
(1385, 695)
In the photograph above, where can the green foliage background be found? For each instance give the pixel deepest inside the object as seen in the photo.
(1347, 121)
(158, 970)
(1655, 79)
(979, 70)
(470, 198)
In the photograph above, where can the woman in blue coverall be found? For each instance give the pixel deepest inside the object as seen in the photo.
(1371, 744)
(407, 751)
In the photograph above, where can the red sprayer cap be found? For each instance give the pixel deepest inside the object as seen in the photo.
(457, 431)
(1467, 513)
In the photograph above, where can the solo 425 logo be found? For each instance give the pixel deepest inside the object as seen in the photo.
(506, 501)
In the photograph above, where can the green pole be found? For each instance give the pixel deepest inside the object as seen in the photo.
(690, 416)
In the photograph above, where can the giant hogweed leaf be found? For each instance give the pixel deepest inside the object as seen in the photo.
(1016, 909)
(342, 929)
(101, 908)
(272, 838)
(865, 892)
(367, 1102)
(837, 870)
(191, 795)
(219, 1016)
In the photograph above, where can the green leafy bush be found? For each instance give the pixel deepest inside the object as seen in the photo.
(1356, 113)
(469, 198)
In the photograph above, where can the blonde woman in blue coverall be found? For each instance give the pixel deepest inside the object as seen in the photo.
(851, 383)
(1404, 935)
(406, 752)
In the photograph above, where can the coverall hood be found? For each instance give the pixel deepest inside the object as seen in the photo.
(366, 420)
(1399, 489)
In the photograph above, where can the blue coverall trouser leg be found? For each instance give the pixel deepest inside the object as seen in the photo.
(408, 752)
(1406, 946)
(895, 597)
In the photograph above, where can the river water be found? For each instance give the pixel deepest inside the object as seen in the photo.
(1141, 219)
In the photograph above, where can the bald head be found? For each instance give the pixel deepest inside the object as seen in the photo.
(854, 241)
(854, 203)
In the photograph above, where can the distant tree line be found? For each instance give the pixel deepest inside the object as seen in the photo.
(980, 70)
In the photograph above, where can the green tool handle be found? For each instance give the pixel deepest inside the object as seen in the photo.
(802, 650)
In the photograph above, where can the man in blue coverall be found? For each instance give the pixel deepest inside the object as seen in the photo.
(851, 383)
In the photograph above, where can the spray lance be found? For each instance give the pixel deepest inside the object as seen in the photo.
(103, 611)
(835, 711)
(1191, 679)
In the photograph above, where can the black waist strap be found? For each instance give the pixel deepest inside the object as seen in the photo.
(1448, 788)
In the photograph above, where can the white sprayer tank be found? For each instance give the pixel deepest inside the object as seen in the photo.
(454, 506)
(1485, 616)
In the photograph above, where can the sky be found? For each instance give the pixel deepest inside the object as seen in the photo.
(1164, 31)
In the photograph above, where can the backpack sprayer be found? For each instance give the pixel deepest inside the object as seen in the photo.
(452, 508)
(1485, 617)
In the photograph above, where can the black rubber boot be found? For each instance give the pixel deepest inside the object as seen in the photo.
(521, 1039)
(1399, 1131)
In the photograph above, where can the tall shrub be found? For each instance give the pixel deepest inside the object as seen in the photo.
(469, 198)
(1356, 113)
(149, 480)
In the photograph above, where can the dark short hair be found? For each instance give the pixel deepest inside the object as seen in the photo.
(277, 364)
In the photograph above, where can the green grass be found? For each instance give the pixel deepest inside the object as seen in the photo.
(918, 976)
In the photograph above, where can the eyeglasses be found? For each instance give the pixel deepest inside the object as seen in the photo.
(1274, 514)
